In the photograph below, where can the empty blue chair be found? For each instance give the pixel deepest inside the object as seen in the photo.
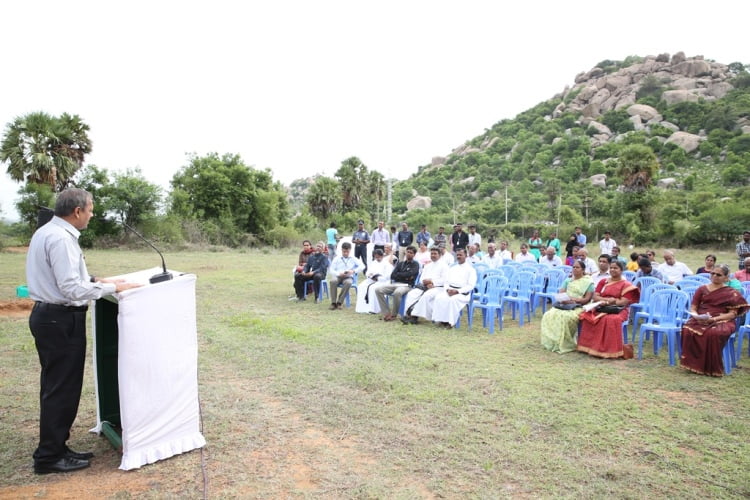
(742, 332)
(554, 281)
(629, 275)
(490, 303)
(643, 283)
(666, 314)
(697, 277)
(646, 301)
(518, 295)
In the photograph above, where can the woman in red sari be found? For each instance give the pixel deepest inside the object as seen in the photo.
(601, 333)
(703, 339)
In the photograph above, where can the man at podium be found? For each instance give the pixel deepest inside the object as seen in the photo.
(61, 287)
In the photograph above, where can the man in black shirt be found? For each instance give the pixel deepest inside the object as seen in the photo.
(402, 280)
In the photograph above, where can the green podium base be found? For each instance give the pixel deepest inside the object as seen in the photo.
(113, 435)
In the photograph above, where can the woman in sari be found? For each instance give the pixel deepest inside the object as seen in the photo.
(560, 327)
(601, 333)
(703, 339)
(379, 271)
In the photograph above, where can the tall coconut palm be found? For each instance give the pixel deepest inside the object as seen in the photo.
(44, 149)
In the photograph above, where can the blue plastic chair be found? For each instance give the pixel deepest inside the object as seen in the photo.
(554, 281)
(323, 288)
(645, 303)
(643, 283)
(697, 277)
(490, 302)
(518, 295)
(355, 276)
(746, 287)
(742, 332)
(629, 275)
(665, 318)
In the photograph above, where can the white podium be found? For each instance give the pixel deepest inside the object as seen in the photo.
(146, 369)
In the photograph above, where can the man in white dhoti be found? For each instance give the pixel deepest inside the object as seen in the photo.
(379, 271)
(432, 278)
(444, 306)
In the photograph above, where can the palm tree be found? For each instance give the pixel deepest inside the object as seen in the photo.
(44, 149)
(637, 167)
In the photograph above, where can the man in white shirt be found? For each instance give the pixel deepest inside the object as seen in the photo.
(524, 255)
(445, 306)
(602, 271)
(550, 258)
(607, 244)
(343, 269)
(447, 257)
(472, 255)
(474, 237)
(505, 252)
(380, 237)
(61, 287)
(431, 282)
(590, 265)
(673, 270)
(492, 259)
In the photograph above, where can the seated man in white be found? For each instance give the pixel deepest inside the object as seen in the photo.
(472, 256)
(343, 269)
(492, 258)
(673, 270)
(447, 257)
(590, 265)
(403, 277)
(550, 258)
(505, 252)
(379, 271)
(444, 306)
(432, 280)
(524, 255)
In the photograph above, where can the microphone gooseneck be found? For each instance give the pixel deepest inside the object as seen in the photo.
(159, 277)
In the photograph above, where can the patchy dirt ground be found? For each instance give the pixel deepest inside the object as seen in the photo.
(17, 308)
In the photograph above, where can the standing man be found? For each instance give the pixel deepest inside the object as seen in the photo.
(61, 287)
(360, 239)
(554, 242)
(743, 249)
(474, 237)
(580, 237)
(441, 239)
(459, 239)
(403, 277)
(342, 269)
(607, 244)
(423, 236)
(380, 237)
(405, 239)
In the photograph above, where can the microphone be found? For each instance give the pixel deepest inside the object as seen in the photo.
(159, 277)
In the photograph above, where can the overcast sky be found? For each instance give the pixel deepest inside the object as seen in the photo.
(298, 86)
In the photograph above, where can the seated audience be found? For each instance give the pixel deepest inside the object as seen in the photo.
(616, 255)
(602, 270)
(601, 333)
(343, 270)
(431, 281)
(708, 265)
(524, 255)
(588, 262)
(471, 253)
(560, 327)
(444, 306)
(633, 264)
(379, 271)
(550, 258)
(505, 252)
(703, 338)
(673, 270)
(492, 258)
(645, 268)
(423, 254)
(315, 267)
(743, 274)
(571, 249)
(403, 277)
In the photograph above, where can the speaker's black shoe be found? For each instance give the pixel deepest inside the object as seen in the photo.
(65, 464)
(85, 455)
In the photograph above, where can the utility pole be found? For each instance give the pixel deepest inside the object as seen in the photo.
(389, 208)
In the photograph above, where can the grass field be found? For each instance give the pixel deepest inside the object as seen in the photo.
(299, 401)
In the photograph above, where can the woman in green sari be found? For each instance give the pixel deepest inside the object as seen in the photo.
(559, 326)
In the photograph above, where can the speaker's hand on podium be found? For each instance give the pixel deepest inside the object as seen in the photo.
(121, 284)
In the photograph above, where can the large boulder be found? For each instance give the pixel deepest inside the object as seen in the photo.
(688, 142)
(681, 95)
(645, 112)
(599, 180)
(419, 202)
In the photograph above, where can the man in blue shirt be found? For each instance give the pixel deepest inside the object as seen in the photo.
(423, 236)
(405, 238)
(580, 237)
(645, 268)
